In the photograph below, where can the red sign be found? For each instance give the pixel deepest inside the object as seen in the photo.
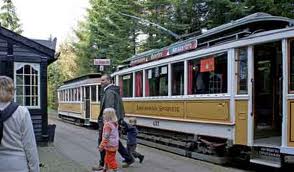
(168, 51)
(207, 65)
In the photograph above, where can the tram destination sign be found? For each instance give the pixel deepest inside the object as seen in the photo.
(165, 52)
(102, 62)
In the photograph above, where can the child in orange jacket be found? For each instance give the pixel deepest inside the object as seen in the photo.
(110, 139)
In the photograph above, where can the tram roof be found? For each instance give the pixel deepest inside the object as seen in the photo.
(227, 28)
(87, 79)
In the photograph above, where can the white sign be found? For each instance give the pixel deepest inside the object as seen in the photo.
(164, 70)
(101, 68)
(150, 74)
(126, 77)
(102, 62)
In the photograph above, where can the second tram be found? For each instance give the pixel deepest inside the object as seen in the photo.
(79, 99)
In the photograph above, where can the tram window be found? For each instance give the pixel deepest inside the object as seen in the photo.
(139, 84)
(126, 81)
(157, 81)
(93, 93)
(208, 75)
(70, 94)
(79, 95)
(67, 95)
(82, 93)
(242, 71)
(178, 78)
(291, 66)
(100, 92)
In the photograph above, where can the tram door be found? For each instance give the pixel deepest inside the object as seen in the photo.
(267, 93)
(87, 104)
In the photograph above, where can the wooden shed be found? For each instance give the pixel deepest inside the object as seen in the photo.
(26, 60)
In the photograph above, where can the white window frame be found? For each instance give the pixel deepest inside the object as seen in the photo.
(36, 66)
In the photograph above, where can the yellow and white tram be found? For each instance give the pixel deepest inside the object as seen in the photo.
(79, 99)
(226, 92)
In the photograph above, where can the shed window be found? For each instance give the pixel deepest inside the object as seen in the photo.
(27, 83)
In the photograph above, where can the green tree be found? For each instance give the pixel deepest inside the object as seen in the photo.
(280, 8)
(63, 69)
(8, 17)
(106, 33)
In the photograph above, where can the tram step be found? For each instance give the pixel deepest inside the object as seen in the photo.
(175, 150)
(276, 164)
(268, 156)
(210, 158)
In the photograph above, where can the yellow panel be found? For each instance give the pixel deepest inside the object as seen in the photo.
(95, 110)
(70, 107)
(129, 107)
(241, 122)
(156, 108)
(291, 123)
(208, 110)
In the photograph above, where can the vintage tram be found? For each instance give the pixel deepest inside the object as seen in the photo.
(79, 99)
(228, 92)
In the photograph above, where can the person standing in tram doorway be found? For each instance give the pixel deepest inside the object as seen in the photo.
(18, 149)
(111, 99)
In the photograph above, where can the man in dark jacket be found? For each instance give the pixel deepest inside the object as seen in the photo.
(111, 99)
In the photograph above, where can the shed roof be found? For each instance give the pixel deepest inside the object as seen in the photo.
(44, 47)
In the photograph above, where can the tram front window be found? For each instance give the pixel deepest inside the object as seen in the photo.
(208, 75)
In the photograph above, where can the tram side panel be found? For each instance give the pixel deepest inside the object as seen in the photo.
(71, 110)
(213, 111)
(197, 117)
(95, 110)
(241, 118)
(290, 138)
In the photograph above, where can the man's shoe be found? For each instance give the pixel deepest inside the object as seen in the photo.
(97, 168)
(127, 164)
(141, 158)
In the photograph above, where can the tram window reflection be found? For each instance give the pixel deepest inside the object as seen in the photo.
(93, 93)
(242, 71)
(178, 78)
(139, 84)
(156, 81)
(291, 66)
(208, 75)
(126, 81)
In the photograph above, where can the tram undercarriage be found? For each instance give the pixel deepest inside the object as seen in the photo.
(211, 149)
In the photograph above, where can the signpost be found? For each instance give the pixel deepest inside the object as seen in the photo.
(101, 63)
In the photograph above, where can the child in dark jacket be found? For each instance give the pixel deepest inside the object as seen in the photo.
(132, 132)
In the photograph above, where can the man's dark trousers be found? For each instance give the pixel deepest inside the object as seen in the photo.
(121, 150)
